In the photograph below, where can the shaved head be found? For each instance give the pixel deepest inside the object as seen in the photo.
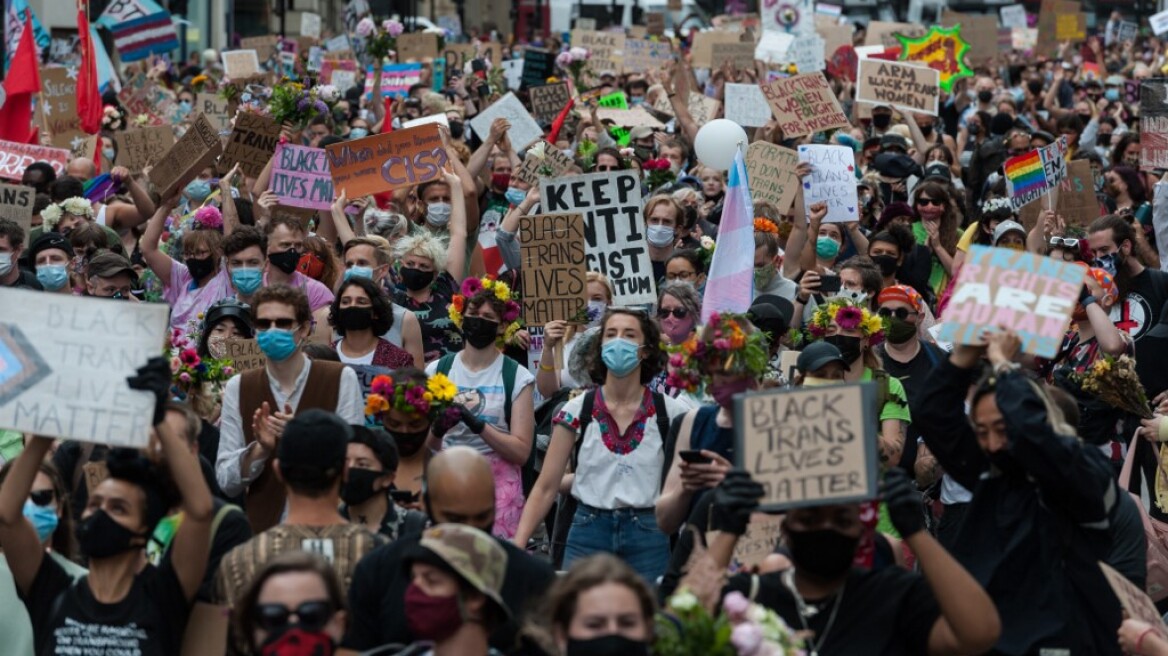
(81, 167)
(460, 488)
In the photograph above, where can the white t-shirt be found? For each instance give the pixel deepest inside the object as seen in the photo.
(361, 359)
(482, 393)
(613, 473)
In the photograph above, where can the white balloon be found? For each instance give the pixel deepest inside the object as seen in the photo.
(717, 143)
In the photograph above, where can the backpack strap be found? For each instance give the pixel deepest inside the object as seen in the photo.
(510, 368)
(445, 363)
(880, 377)
(585, 419)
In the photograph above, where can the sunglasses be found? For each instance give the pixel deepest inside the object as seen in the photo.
(930, 201)
(680, 313)
(41, 497)
(899, 313)
(1064, 242)
(606, 168)
(282, 324)
(310, 615)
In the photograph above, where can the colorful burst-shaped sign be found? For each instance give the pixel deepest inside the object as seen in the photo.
(941, 49)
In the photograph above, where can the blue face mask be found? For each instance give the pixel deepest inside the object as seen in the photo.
(247, 281)
(277, 344)
(358, 133)
(1108, 263)
(1111, 94)
(43, 518)
(620, 356)
(515, 196)
(52, 276)
(826, 248)
(637, 101)
(358, 272)
(198, 190)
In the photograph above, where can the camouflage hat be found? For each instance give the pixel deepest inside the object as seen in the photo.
(472, 554)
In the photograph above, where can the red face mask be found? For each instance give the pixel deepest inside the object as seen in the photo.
(311, 266)
(501, 180)
(431, 618)
(295, 641)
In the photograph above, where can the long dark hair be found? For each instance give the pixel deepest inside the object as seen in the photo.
(62, 540)
(948, 227)
(245, 619)
(378, 302)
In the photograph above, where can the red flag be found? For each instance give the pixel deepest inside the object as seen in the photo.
(558, 124)
(24, 79)
(88, 95)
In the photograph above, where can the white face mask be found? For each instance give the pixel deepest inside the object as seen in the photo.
(856, 297)
(660, 236)
(5, 263)
(438, 214)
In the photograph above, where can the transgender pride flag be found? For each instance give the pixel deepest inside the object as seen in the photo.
(730, 283)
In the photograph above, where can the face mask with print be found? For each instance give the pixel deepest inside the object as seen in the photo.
(857, 297)
(52, 276)
(277, 344)
(660, 236)
(764, 275)
(1109, 263)
(596, 312)
(197, 190)
(438, 214)
(298, 641)
(515, 196)
(826, 248)
(43, 518)
(358, 133)
(620, 356)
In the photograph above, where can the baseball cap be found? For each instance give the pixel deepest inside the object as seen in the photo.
(108, 264)
(1008, 226)
(640, 132)
(818, 355)
(893, 140)
(49, 241)
(313, 446)
(772, 314)
(939, 171)
(471, 554)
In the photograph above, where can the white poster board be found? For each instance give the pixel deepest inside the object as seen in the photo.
(524, 130)
(746, 106)
(310, 24)
(832, 180)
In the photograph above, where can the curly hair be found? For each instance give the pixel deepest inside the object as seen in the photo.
(243, 238)
(425, 244)
(654, 359)
(378, 303)
(290, 296)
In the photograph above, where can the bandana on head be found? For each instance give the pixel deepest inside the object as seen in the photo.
(904, 294)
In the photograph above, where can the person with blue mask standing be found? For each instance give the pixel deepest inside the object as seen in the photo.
(615, 435)
(258, 404)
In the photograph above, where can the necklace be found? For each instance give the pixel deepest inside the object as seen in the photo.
(807, 611)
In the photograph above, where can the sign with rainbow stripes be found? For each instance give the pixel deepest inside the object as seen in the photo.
(1031, 175)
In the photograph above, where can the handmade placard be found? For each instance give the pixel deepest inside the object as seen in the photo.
(771, 171)
(300, 177)
(384, 162)
(804, 104)
(832, 181)
(552, 248)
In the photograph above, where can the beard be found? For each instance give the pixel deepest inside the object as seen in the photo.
(1123, 277)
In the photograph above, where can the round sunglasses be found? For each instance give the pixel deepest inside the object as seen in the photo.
(310, 615)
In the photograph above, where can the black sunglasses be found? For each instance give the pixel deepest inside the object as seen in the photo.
(606, 168)
(310, 615)
(282, 324)
(899, 313)
(930, 201)
(41, 497)
(680, 313)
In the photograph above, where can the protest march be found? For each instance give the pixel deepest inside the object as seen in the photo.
(352, 327)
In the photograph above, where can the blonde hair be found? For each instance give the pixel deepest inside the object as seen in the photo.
(593, 276)
(425, 244)
(664, 199)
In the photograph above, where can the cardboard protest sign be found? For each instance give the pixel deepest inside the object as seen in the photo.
(195, 151)
(882, 33)
(804, 104)
(58, 111)
(1005, 288)
(543, 160)
(300, 177)
(264, 46)
(655, 23)
(771, 171)
(807, 53)
(614, 229)
(548, 100)
(1013, 17)
(607, 48)
(630, 118)
(702, 52)
(538, 66)
(809, 446)
(554, 267)
(417, 46)
(216, 111)
(746, 106)
(759, 541)
(773, 47)
(739, 54)
(702, 108)
(901, 85)
(140, 148)
(1058, 21)
(240, 64)
(15, 157)
(65, 363)
(439, 119)
(1153, 124)
(524, 130)
(644, 55)
(310, 24)
(16, 203)
(245, 354)
(980, 31)
(832, 181)
(252, 142)
(1136, 603)
(1071, 26)
(396, 80)
(385, 162)
(1074, 198)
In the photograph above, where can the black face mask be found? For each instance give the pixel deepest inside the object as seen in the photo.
(479, 332)
(824, 554)
(1103, 139)
(1004, 462)
(359, 487)
(355, 318)
(410, 443)
(100, 536)
(881, 121)
(900, 331)
(849, 347)
(926, 130)
(887, 264)
(1035, 87)
(416, 279)
(285, 261)
(201, 268)
(613, 644)
(985, 96)
(456, 129)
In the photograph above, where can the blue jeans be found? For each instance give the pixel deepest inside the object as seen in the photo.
(629, 533)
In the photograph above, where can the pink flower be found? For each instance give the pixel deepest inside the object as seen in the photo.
(722, 344)
(746, 638)
(189, 357)
(184, 377)
(848, 318)
(510, 311)
(563, 59)
(471, 286)
(736, 604)
(175, 365)
(393, 28)
(365, 27)
(816, 330)
(209, 218)
(228, 371)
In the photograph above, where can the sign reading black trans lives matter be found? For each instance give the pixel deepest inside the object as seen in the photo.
(614, 230)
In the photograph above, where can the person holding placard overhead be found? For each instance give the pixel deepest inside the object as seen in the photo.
(615, 434)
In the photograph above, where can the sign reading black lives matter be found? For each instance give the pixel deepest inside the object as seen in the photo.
(809, 446)
(614, 231)
(64, 361)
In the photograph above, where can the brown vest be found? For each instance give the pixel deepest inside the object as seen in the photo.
(265, 495)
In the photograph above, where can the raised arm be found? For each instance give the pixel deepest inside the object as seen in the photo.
(939, 415)
(227, 202)
(160, 263)
(22, 546)
(456, 257)
(123, 216)
(340, 220)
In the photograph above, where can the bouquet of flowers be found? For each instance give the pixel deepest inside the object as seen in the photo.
(706, 247)
(660, 173)
(380, 42)
(1114, 381)
(431, 399)
(743, 628)
(292, 101)
(190, 372)
(575, 61)
(846, 315)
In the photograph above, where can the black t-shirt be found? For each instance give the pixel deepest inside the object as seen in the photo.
(886, 612)
(1139, 311)
(67, 620)
(26, 280)
(913, 376)
(377, 595)
(231, 530)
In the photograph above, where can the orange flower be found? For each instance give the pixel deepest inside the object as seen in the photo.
(458, 301)
(762, 224)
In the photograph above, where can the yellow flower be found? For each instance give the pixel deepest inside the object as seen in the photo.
(455, 317)
(873, 325)
(502, 292)
(441, 388)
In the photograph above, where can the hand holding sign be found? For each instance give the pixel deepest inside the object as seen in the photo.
(734, 501)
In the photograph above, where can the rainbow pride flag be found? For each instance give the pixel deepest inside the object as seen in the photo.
(1025, 179)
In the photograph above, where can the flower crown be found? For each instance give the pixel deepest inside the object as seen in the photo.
(995, 204)
(762, 224)
(208, 217)
(487, 287)
(730, 349)
(77, 206)
(411, 397)
(847, 315)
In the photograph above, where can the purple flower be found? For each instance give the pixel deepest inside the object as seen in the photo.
(303, 104)
(563, 59)
(746, 638)
(365, 27)
(393, 28)
(736, 604)
(320, 107)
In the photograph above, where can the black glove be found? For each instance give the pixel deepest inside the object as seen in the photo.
(452, 417)
(735, 498)
(154, 377)
(471, 420)
(904, 502)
